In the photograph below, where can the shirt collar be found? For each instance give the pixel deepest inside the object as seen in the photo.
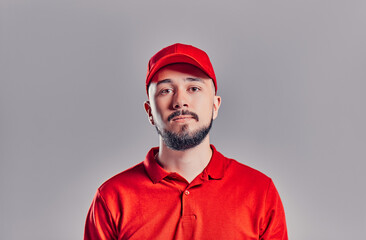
(214, 170)
(153, 169)
(217, 165)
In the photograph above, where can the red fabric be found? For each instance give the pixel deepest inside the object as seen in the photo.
(227, 201)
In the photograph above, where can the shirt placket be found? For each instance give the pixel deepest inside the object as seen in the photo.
(189, 208)
(188, 217)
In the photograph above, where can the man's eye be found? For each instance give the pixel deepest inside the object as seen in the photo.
(165, 91)
(194, 89)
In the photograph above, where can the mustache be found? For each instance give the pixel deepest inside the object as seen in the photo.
(183, 112)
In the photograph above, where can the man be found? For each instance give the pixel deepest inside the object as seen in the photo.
(185, 189)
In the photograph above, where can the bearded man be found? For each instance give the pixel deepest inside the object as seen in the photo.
(185, 189)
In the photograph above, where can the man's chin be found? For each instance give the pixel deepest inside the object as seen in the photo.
(185, 138)
(184, 130)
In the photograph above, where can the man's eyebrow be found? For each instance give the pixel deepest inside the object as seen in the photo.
(192, 79)
(164, 81)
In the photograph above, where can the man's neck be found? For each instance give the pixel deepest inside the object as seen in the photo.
(188, 163)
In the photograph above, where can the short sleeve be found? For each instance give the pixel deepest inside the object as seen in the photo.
(273, 225)
(99, 222)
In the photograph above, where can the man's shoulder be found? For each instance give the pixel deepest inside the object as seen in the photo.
(247, 170)
(125, 179)
(244, 173)
(235, 168)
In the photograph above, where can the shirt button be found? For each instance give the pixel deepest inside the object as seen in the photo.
(186, 192)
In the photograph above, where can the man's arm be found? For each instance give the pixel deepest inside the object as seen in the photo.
(273, 225)
(99, 222)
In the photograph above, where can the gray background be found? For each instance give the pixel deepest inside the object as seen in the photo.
(291, 75)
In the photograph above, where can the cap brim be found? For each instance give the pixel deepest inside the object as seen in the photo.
(171, 59)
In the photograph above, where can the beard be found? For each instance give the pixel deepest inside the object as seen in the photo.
(183, 140)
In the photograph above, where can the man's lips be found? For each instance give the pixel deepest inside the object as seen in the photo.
(182, 118)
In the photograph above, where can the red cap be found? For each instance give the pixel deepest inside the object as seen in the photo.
(180, 53)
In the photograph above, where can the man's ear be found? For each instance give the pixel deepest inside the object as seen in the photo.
(216, 106)
(148, 112)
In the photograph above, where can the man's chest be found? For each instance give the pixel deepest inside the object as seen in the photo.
(212, 210)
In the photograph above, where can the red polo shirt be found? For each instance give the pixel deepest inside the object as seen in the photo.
(228, 200)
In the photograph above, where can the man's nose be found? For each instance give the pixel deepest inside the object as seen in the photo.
(180, 99)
